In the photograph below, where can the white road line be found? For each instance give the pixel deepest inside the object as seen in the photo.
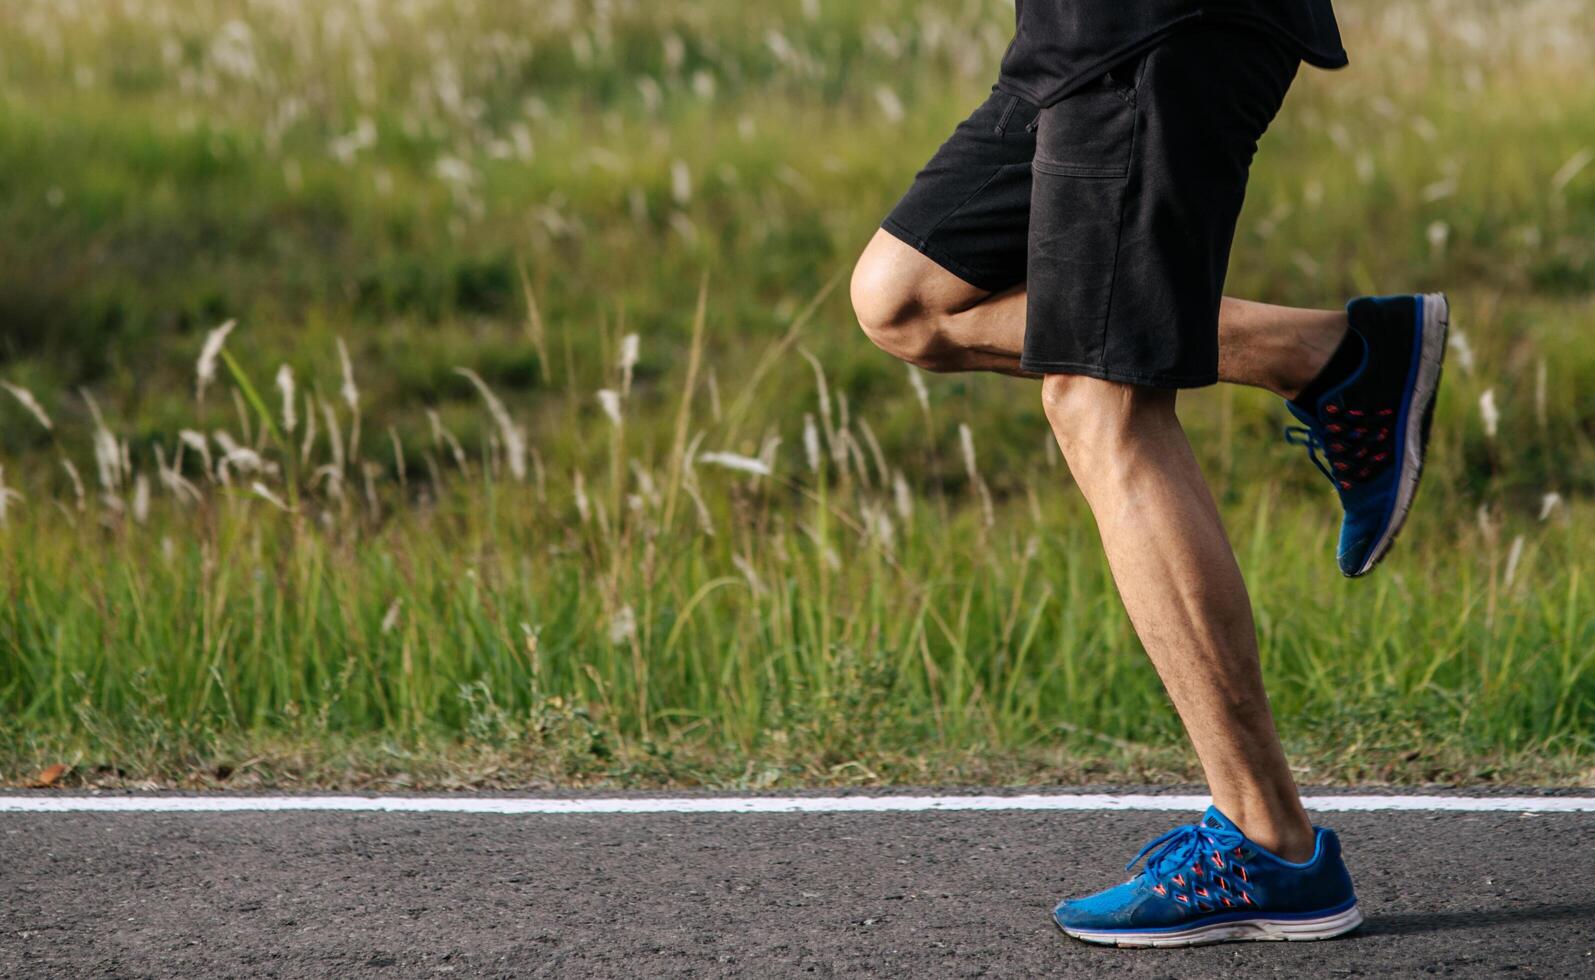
(756, 804)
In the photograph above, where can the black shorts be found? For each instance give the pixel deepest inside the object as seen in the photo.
(1116, 206)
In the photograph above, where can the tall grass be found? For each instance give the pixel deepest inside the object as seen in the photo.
(487, 481)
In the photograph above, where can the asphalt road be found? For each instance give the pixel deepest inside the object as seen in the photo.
(662, 895)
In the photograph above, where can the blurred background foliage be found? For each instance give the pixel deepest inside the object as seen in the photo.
(517, 187)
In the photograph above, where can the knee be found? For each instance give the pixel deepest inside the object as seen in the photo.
(892, 312)
(1089, 414)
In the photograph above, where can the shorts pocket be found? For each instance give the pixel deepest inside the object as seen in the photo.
(1089, 134)
(1001, 129)
(1072, 263)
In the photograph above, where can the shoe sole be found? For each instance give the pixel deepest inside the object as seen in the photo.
(1436, 325)
(1258, 929)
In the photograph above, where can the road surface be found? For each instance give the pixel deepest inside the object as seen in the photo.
(901, 894)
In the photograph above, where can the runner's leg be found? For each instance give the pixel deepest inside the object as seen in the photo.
(1183, 591)
(918, 311)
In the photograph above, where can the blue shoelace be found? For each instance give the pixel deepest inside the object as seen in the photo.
(1300, 435)
(1183, 846)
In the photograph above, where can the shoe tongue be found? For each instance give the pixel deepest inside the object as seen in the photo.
(1215, 820)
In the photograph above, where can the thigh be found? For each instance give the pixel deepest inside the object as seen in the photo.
(1139, 182)
(968, 210)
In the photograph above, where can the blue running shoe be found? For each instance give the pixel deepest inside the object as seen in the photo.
(1206, 883)
(1369, 433)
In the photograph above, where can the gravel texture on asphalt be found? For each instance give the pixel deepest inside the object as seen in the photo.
(960, 894)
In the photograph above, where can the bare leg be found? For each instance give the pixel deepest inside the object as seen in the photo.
(917, 311)
(1183, 591)
(1279, 348)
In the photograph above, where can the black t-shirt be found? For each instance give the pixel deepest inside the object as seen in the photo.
(1060, 45)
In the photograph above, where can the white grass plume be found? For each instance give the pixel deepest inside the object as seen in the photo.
(623, 626)
(141, 499)
(1489, 413)
(578, 488)
(630, 348)
(308, 444)
(334, 437)
(1513, 556)
(285, 384)
(876, 453)
(916, 381)
(769, 449)
(205, 368)
(733, 461)
(689, 483)
(25, 398)
(824, 393)
(77, 483)
(903, 497)
(7, 495)
(609, 401)
(966, 444)
(349, 391)
(535, 329)
(264, 493)
(390, 619)
(172, 479)
(513, 436)
(1549, 505)
(107, 453)
(1458, 341)
(680, 182)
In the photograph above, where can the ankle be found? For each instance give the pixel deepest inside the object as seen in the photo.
(1313, 346)
(1283, 831)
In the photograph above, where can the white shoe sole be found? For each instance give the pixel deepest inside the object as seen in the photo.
(1431, 358)
(1259, 929)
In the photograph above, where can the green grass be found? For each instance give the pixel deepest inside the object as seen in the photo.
(411, 615)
